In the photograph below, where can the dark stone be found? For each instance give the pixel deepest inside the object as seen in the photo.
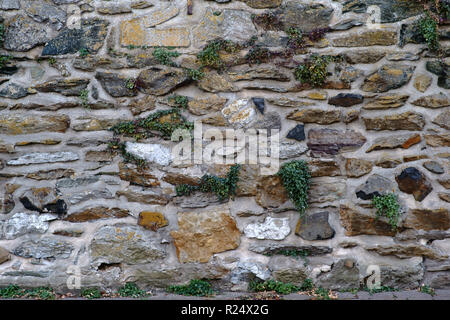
(67, 87)
(414, 182)
(346, 99)
(43, 200)
(260, 104)
(391, 10)
(332, 142)
(23, 34)
(375, 185)
(13, 91)
(271, 121)
(115, 84)
(90, 37)
(160, 80)
(306, 17)
(297, 133)
(315, 227)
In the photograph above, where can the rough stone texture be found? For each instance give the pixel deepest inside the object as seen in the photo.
(404, 141)
(428, 219)
(388, 77)
(332, 142)
(4, 255)
(115, 84)
(159, 81)
(344, 274)
(96, 213)
(404, 121)
(14, 124)
(23, 34)
(25, 223)
(315, 227)
(43, 157)
(375, 185)
(414, 182)
(356, 168)
(357, 223)
(67, 87)
(271, 228)
(125, 243)
(44, 248)
(201, 234)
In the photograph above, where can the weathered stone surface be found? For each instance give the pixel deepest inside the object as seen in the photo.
(135, 176)
(76, 182)
(96, 213)
(203, 106)
(93, 124)
(434, 167)
(25, 223)
(14, 91)
(67, 87)
(43, 200)
(405, 251)
(324, 168)
(90, 36)
(9, 4)
(16, 123)
(258, 73)
(42, 11)
(262, 4)
(428, 219)
(288, 102)
(160, 80)
(318, 116)
(355, 168)
(234, 25)
(86, 195)
(271, 229)
(326, 190)
(366, 38)
(114, 8)
(152, 220)
(433, 101)
(43, 157)
(125, 243)
(404, 141)
(391, 10)
(357, 223)
(272, 193)
(422, 82)
(444, 196)
(135, 194)
(346, 99)
(363, 56)
(74, 233)
(271, 248)
(344, 274)
(414, 182)
(315, 227)
(306, 17)
(438, 140)
(288, 269)
(443, 119)
(240, 113)
(115, 84)
(215, 82)
(23, 34)
(403, 121)
(44, 248)
(196, 200)
(246, 271)
(297, 133)
(153, 153)
(204, 233)
(387, 101)
(388, 77)
(332, 142)
(375, 185)
(4, 255)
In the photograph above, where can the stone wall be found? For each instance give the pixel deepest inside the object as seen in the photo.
(379, 123)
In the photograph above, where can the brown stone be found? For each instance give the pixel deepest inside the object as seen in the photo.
(262, 4)
(135, 32)
(387, 162)
(143, 104)
(204, 233)
(428, 219)
(160, 80)
(443, 119)
(415, 157)
(332, 142)
(324, 168)
(438, 140)
(356, 168)
(97, 213)
(215, 82)
(404, 141)
(135, 194)
(271, 192)
(100, 156)
(4, 255)
(24, 124)
(402, 121)
(67, 87)
(288, 102)
(406, 251)
(203, 106)
(326, 190)
(422, 82)
(350, 115)
(137, 177)
(152, 220)
(414, 182)
(50, 174)
(258, 73)
(445, 183)
(388, 77)
(366, 38)
(363, 56)
(179, 178)
(387, 101)
(318, 116)
(444, 196)
(433, 101)
(357, 223)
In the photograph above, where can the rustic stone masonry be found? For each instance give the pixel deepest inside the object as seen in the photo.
(379, 123)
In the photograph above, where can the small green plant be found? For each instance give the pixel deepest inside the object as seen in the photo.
(223, 188)
(257, 55)
(130, 84)
(295, 37)
(194, 74)
(51, 61)
(387, 206)
(164, 55)
(296, 178)
(42, 293)
(200, 288)
(84, 97)
(91, 293)
(313, 71)
(115, 145)
(4, 60)
(83, 52)
(380, 289)
(12, 291)
(350, 290)
(210, 55)
(295, 253)
(428, 290)
(179, 101)
(322, 294)
(131, 290)
(428, 27)
(2, 33)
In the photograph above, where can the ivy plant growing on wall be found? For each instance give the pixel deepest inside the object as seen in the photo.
(296, 178)
(387, 206)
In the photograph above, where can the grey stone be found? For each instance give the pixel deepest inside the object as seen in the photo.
(346, 24)
(67, 87)
(443, 119)
(9, 4)
(23, 34)
(388, 77)
(315, 227)
(332, 142)
(125, 243)
(42, 11)
(271, 228)
(402, 277)
(248, 270)
(297, 133)
(43, 157)
(161, 80)
(44, 248)
(291, 149)
(375, 185)
(288, 269)
(115, 84)
(43, 200)
(4, 255)
(306, 17)
(24, 223)
(13, 91)
(434, 167)
(90, 36)
(90, 195)
(77, 182)
(344, 274)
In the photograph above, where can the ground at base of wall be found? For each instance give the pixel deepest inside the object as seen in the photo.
(439, 294)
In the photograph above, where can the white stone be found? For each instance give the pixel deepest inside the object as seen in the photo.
(271, 228)
(244, 267)
(23, 223)
(43, 157)
(155, 153)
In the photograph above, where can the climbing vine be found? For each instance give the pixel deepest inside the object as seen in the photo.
(296, 178)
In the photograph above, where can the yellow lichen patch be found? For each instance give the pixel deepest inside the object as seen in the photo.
(152, 220)
(132, 32)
